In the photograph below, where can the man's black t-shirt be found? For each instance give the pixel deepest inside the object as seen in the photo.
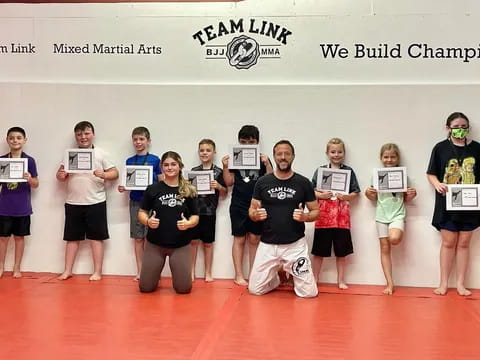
(164, 200)
(280, 198)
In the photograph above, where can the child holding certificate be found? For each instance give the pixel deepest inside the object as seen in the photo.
(141, 141)
(333, 225)
(390, 214)
(86, 206)
(15, 204)
(207, 208)
(169, 209)
(453, 161)
(243, 181)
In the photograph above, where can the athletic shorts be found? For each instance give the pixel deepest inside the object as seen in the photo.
(205, 230)
(341, 239)
(137, 229)
(456, 226)
(382, 228)
(14, 225)
(85, 221)
(241, 223)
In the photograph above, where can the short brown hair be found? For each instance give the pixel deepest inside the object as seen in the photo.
(141, 130)
(207, 142)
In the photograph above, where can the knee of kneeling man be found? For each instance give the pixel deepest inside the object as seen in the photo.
(255, 290)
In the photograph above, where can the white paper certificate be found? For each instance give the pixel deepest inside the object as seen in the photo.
(244, 157)
(390, 179)
(335, 180)
(463, 197)
(201, 180)
(79, 160)
(137, 177)
(12, 169)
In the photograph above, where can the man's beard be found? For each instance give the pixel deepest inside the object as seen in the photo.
(287, 167)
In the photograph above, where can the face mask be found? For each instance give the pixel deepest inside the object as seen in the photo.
(459, 133)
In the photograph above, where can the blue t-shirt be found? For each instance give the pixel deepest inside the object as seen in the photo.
(148, 159)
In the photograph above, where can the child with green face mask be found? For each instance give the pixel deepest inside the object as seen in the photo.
(459, 133)
(453, 161)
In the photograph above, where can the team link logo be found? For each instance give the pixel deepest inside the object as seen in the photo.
(281, 193)
(171, 200)
(242, 51)
(301, 267)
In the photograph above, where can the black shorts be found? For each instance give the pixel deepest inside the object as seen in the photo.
(241, 223)
(205, 230)
(323, 239)
(14, 225)
(86, 221)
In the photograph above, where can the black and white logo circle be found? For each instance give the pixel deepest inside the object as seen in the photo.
(300, 267)
(281, 195)
(243, 52)
(172, 202)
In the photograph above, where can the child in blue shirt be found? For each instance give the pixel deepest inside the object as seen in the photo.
(141, 141)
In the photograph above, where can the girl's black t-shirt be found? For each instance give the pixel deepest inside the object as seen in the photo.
(453, 164)
(165, 201)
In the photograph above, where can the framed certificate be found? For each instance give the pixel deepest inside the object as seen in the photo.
(463, 197)
(12, 169)
(137, 177)
(335, 180)
(79, 160)
(390, 179)
(244, 157)
(201, 180)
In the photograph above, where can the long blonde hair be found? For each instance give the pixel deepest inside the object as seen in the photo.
(185, 189)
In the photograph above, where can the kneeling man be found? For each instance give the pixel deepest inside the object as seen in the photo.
(278, 202)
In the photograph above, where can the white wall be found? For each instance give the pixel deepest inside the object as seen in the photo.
(182, 97)
(178, 116)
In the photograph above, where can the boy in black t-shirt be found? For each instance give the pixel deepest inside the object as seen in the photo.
(243, 182)
(207, 208)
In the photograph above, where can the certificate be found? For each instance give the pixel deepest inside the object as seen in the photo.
(79, 160)
(244, 157)
(137, 177)
(390, 179)
(201, 180)
(334, 180)
(463, 197)
(12, 169)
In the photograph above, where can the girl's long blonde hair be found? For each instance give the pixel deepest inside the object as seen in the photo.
(185, 189)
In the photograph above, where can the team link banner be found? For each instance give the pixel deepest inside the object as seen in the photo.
(268, 50)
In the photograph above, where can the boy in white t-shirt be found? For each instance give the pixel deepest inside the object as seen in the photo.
(85, 206)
